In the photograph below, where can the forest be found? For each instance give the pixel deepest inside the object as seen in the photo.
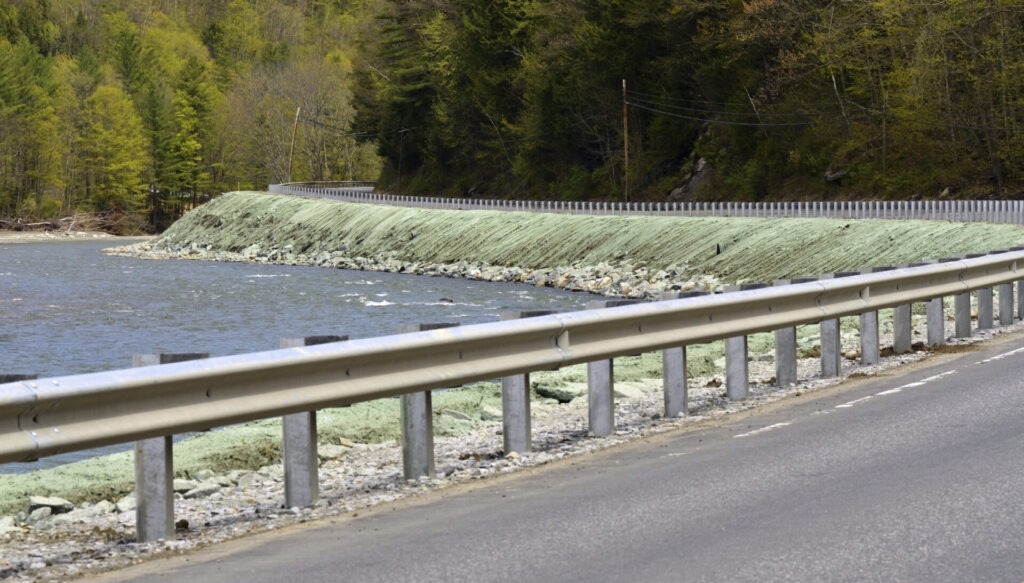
(142, 108)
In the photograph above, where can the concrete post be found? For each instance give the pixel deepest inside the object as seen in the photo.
(418, 422)
(154, 470)
(1005, 304)
(601, 383)
(673, 367)
(736, 355)
(515, 400)
(985, 308)
(962, 314)
(299, 443)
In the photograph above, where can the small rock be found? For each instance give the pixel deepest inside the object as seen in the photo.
(39, 514)
(205, 475)
(626, 391)
(56, 505)
(346, 442)
(126, 504)
(203, 490)
(248, 480)
(329, 452)
(181, 486)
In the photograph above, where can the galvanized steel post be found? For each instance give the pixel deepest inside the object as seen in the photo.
(299, 443)
(985, 308)
(515, 400)
(962, 315)
(736, 352)
(418, 422)
(870, 346)
(831, 339)
(154, 470)
(601, 383)
(785, 345)
(1006, 304)
(673, 367)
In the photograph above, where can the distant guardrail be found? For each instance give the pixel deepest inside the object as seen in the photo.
(41, 417)
(987, 211)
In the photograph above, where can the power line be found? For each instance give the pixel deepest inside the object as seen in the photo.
(719, 121)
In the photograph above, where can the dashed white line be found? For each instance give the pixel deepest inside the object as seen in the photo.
(763, 429)
(853, 402)
(1000, 356)
(939, 376)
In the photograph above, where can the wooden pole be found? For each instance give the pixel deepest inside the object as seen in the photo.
(291, 151)
(625, 142)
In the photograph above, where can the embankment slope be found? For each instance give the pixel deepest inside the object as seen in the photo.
(729, 249)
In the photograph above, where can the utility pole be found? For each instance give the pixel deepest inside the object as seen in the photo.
(625, 143)
(291, 151)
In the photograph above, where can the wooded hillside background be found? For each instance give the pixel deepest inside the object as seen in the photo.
(145, 106)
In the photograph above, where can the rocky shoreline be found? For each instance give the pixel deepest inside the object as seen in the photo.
(605, 278)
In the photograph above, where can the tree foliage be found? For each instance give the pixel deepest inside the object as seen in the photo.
(738, 99)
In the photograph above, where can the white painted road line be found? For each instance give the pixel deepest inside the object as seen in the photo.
(853, 402)
(763, 429)
(1000, 356)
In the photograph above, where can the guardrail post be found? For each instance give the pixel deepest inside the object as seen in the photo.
(154, 470)
(901, 329)
(785, 345)
(831, 339)
(299, 443)
(418, 422)
(936, 322)
(515, 400)
(736, 353)
(1006, 304)
(601, 383)
(962, 314)
(985, 308)
(673, 367)
(870, 346)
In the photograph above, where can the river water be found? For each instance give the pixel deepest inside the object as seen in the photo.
(67, 308)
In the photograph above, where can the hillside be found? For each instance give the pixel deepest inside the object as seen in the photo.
(146, 108)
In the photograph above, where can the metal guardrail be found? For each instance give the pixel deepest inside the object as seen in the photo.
(53, 415)
(988, 211)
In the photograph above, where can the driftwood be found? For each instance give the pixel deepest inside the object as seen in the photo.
(117, 223)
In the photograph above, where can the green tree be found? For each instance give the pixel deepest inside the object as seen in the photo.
(114, 152)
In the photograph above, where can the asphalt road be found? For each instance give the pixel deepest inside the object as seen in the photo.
(912, 477)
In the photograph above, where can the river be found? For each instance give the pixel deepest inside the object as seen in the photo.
(68, 308)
